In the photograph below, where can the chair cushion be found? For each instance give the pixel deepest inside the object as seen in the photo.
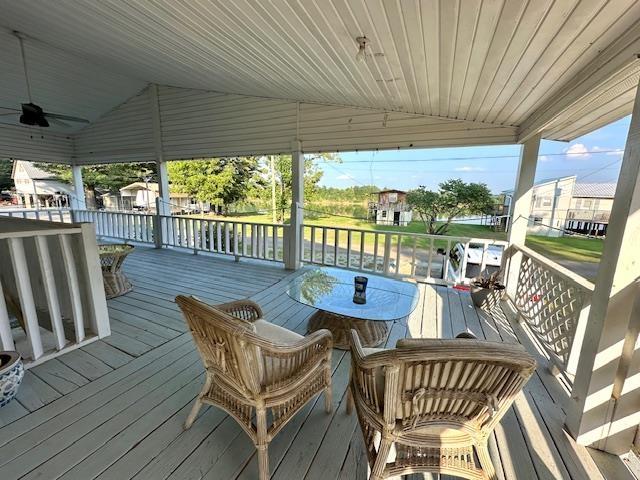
(275, 333)
(271, 370)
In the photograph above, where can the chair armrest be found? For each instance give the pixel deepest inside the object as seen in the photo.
(247, 310)
(296, 359)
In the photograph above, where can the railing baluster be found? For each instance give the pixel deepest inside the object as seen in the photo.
(362, 241)
(375, 251)
(312, 243)
(386, 260)
(324, 245)
(6, 337)
(218, 237)
(49, 284)
(413, 256)
(336, 236)
(398, 248)
(348, 248)
(25, 294)
(464, 262)
(211, 239)
(265, 239)
(445, 272)
(235, 239)
(175, 225)
(483, 263)
(227, 238)
(274, 241)
(430, 257)
(74, 286)
(244, 239)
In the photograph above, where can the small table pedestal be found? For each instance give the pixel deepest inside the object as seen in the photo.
(372, 333)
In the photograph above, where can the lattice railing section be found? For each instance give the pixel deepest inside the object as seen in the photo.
(550, 305)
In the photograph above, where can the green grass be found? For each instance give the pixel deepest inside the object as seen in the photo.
(561, 248)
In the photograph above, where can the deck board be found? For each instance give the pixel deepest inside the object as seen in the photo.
(114, 409)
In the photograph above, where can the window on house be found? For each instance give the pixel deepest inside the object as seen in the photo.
(384, 214)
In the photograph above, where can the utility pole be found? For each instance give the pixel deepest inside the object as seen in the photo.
(274, 214)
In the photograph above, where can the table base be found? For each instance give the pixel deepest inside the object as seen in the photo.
(372, 333)
(115, 284)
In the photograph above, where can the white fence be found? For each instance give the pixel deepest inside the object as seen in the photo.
(432, 258)
(51, 292)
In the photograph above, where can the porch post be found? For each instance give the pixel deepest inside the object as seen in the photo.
(520, 207)
(605, 411)
(163, 206)
(79, 201)
(295, 243)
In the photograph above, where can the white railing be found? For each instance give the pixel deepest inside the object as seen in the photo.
(133, 226)
(51, 292)
(553, 303)
(426, 257)
(51, 214)
(263, 241)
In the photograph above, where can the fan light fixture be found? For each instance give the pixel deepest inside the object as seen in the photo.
(361, 56)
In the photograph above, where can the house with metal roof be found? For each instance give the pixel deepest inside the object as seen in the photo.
(36, 188)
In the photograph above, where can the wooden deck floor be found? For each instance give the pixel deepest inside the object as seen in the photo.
(114, 409)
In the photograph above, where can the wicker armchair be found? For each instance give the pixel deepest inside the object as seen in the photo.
(430, 405)
(254, 368)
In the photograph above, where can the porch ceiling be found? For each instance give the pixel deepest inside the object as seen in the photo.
(566, 67)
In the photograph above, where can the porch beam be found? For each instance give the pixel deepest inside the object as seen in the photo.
(79, 201)
(520, 207)
(295, 243)
(606, 393)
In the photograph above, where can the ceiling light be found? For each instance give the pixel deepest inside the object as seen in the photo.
(361, 56)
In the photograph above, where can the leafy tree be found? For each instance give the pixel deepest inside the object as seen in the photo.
(111, 177)
(284, 180)
(454, 198)
(219, 181)
(5, 174)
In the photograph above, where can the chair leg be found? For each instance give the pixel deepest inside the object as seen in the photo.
(485, 462)
(350, 403)
(328, 391)
(377, 470)
(197, 405)
(262, 444)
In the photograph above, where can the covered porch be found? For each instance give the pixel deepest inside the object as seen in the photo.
(115, 408)
(168, 81)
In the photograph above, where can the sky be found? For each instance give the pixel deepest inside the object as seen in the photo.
(593, 158)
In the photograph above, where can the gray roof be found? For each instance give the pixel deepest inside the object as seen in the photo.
(34, 172)
(595, 190)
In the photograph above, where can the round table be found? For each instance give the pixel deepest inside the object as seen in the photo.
(330, 290)
(111, 258)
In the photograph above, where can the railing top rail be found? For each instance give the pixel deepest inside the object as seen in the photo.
(30, 210)
(564, 272)
(489, 241)
(238, 222)
(14, 227)
(120, 212)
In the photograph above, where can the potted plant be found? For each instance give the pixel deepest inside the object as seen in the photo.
(486, 290)
(11, 373)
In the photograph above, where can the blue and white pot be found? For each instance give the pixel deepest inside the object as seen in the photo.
(11, 373)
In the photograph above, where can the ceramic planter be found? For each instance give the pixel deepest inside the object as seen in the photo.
(486, 298)
(11, 373)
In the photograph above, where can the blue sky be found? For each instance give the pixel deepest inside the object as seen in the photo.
(595, 157)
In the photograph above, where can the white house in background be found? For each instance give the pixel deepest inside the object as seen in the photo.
(561, 204)
(36, 188)
(142, 195)
(391, 208)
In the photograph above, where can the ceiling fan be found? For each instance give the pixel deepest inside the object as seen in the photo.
(32, 114)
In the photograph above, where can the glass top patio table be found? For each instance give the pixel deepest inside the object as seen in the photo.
(331, 290)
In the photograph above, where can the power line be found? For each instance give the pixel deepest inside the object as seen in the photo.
(493, 157)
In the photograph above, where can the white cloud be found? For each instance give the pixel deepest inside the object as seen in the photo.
(469, 168)
(577, 150)
(544, 158)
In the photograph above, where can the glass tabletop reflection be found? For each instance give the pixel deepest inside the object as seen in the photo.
(331, 290)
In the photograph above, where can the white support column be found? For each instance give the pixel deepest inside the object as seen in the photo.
(163, 205)
(520, 207)
(296, 242)
(605, 411)
(79, 201)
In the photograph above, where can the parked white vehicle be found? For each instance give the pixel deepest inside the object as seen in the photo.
(473, 268)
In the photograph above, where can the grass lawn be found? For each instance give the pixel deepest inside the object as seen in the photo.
(561, 248)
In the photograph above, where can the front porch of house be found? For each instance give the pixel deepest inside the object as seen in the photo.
(114, 409)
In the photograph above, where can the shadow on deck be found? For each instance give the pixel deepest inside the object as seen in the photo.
(114, 409)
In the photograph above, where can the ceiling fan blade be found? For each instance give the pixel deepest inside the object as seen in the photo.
(59, 123)
(68, 118)
(12, 109)
(8, 113)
